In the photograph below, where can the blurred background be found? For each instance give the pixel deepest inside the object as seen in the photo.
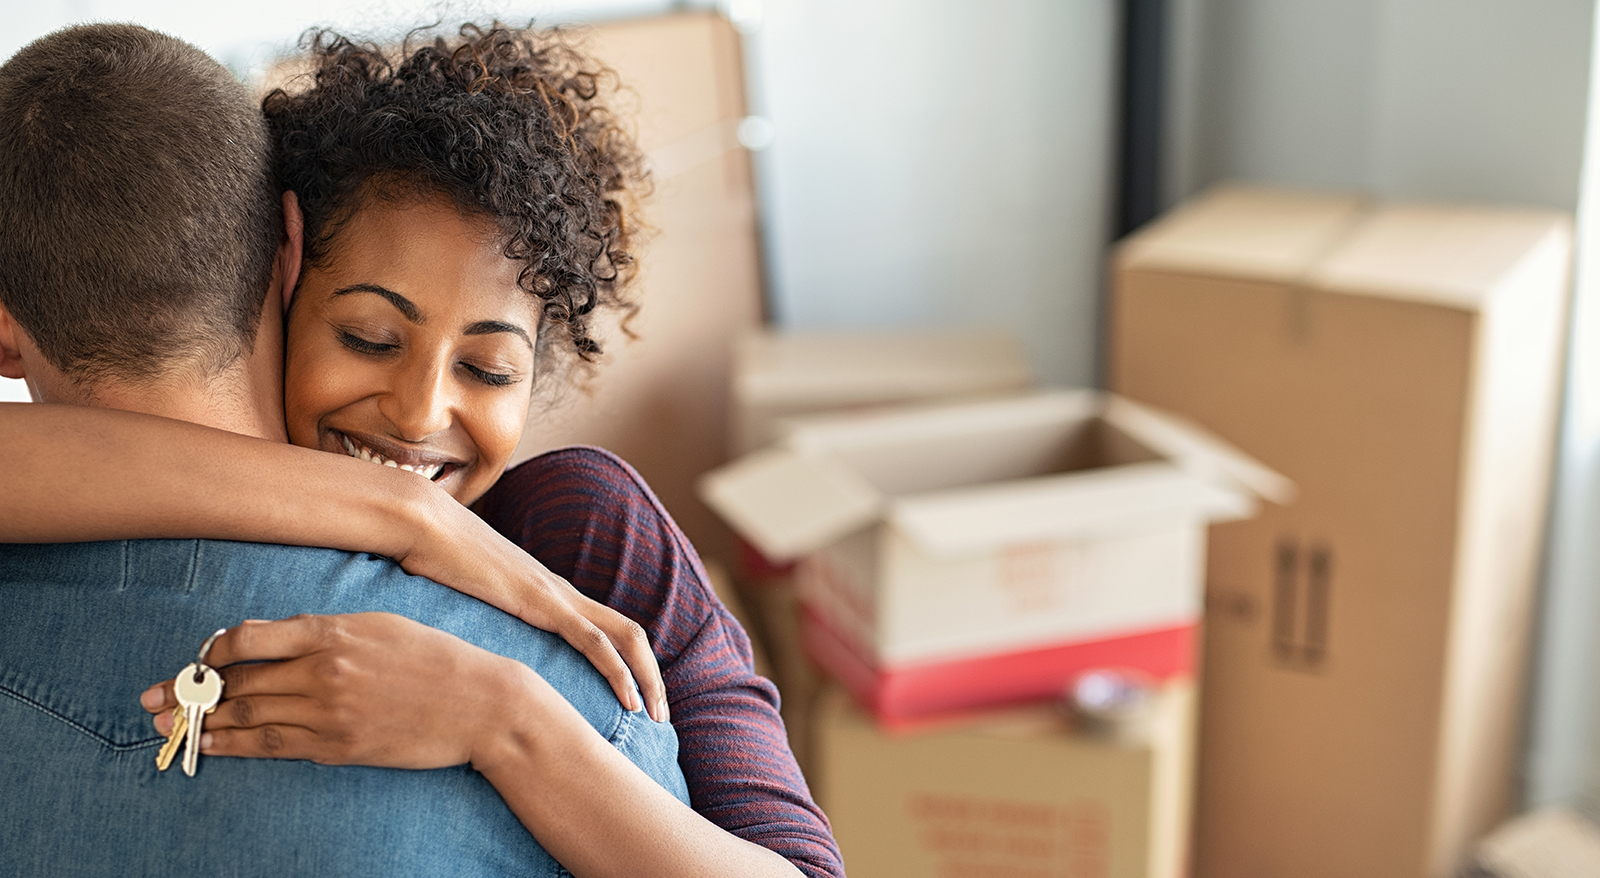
(886, 187)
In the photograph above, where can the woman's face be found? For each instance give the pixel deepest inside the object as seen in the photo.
(412, 346)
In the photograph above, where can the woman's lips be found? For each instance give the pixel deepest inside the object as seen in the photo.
(427, 466)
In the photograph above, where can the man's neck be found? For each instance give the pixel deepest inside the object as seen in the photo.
(224, 402)
(246, 398)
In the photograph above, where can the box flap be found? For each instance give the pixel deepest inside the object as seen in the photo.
(1451, 256)
(1244, 231)
(811, 370)
(1082, 505)
(788, 503)
(1197, 451)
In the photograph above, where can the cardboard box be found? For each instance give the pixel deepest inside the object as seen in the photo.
(781, 375)
(968, 531)
(1365, 648)
(1016, 794)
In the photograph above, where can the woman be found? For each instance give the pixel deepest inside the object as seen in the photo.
(464, 219)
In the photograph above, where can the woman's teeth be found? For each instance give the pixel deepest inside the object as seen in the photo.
(427, 471)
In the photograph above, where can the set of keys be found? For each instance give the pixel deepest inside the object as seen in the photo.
(199, 688)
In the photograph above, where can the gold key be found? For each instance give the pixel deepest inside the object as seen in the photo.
(180, 727)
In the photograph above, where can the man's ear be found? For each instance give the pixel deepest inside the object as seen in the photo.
(292, 248)
(10, 346)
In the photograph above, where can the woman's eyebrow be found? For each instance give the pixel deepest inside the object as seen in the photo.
(404, 305)
(485, 327)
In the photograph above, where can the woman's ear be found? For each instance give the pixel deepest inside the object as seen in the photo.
(292, 249)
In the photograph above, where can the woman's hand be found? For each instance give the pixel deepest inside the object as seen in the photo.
(453, 546)
(364, 689)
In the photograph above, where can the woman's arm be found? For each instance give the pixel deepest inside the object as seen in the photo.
(75, 474)
(379, 689)
(593, 520)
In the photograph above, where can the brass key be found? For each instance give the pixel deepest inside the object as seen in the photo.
(180, 725)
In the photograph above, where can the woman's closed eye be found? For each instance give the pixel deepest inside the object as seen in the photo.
(493, 379)
(364, 346)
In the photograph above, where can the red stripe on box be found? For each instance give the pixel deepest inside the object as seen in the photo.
(758, 566)
(925, 690)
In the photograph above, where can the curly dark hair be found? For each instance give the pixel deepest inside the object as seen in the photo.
(511, 124)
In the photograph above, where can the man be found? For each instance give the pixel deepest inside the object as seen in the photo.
(140, 238)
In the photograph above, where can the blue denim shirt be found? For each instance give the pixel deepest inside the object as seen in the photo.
(85, 628)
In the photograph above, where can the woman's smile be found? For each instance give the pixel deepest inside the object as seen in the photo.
(411, 345)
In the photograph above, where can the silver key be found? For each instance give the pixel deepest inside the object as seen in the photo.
(199, 688)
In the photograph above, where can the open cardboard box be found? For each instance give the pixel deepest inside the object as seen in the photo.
(1030, 530)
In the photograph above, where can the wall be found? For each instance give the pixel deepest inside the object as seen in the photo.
(938, 164)
(1450, 99)
(1477, 100)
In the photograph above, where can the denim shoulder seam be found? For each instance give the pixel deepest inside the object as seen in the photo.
(619, 735)
(194, 569)
(98, 738)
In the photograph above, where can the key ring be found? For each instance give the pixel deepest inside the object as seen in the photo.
(205, 649)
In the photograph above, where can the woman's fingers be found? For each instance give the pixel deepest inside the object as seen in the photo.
(158, 698)
(255, 640)
(596, 646)
(628, 638)
(616, 645)
(269, 742)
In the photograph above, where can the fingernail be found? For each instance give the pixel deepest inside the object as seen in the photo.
(205, 741)
(662, 714)
(151, 698)
(163, 722)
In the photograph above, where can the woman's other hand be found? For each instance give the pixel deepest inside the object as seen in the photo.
(362, 689)
(454, 547)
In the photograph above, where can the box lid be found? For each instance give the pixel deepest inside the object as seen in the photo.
(1197, 451)
(800, 370)
(1453, 256)
(1244, 231)
(800, 496)
(788, 503)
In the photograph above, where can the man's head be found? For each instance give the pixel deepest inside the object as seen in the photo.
(139, 217)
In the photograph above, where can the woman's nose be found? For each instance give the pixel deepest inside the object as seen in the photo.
(419, 403)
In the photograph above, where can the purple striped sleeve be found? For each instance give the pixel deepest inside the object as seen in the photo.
(589, 517)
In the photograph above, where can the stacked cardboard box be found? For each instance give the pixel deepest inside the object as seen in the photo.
(1365, 647)
(1018, 793)
(969, 554)
(778, 375)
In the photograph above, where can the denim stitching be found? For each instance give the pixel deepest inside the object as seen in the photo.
(194, 569)
(98, 738)
(619, 735)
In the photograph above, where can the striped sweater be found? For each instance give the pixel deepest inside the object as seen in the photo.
(590, 518)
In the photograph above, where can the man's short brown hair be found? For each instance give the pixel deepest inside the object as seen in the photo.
(139, 217)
